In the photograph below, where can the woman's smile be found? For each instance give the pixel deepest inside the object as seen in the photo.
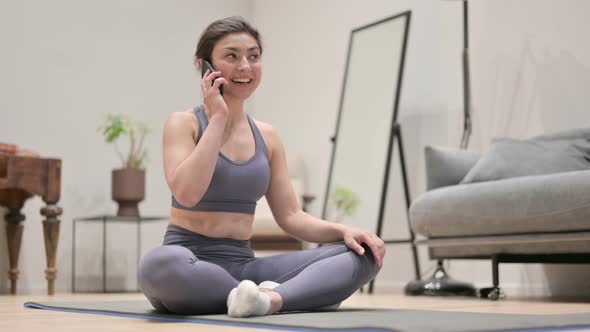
(241, 82)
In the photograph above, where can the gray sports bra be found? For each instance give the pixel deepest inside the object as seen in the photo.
(235, 186)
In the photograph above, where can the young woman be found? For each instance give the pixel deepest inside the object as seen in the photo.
(218, 163)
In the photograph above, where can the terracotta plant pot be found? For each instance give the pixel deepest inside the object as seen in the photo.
(128, 189)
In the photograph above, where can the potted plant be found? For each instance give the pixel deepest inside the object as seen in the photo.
(345, 202)
(127, 182)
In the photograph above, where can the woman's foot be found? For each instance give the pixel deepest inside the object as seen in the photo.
(248, 300)
(268, 284)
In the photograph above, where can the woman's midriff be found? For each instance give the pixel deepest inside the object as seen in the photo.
(214, 224)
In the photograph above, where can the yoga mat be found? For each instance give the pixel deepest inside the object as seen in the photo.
(344, 319)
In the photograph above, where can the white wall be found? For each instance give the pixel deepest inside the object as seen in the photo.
(531, 64)
(66, 63)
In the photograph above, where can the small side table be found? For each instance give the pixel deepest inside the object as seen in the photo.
(22, 177)
(105, 219)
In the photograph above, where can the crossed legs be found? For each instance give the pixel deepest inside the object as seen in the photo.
(175, 280)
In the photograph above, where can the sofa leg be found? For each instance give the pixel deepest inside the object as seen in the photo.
(493, 293)
(495, 271)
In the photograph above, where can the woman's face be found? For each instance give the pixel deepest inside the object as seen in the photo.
(237, 56)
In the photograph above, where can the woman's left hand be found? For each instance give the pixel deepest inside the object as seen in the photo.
(355, 237)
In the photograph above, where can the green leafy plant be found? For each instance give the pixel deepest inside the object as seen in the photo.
(117, 125)
(345, 201)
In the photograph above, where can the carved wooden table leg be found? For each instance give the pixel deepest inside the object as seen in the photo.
(14, 235)
(51, 234)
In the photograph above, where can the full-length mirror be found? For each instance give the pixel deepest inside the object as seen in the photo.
(355, 193)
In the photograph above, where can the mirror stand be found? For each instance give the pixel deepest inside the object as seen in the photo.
(397, 136)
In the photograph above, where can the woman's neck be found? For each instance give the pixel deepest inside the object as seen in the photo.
(235, 116)
(236, 109)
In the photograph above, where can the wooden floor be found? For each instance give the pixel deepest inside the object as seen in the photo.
(14, 317)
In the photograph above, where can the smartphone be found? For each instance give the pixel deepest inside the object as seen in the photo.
(208, 65)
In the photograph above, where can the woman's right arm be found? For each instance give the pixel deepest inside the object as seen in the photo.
(189, 165)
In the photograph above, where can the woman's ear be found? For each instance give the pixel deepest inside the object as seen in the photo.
(200, 63)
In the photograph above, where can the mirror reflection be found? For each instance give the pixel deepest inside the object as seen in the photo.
(364, 126)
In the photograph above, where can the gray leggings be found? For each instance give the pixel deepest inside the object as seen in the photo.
(193, 274)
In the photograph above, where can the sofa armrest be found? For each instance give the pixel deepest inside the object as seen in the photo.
(447, 166)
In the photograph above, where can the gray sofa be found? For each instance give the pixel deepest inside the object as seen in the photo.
(542, 217)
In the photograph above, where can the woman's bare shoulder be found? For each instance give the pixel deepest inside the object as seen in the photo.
(270, 135)
(182, 121)
(182, 116)
(265, 127)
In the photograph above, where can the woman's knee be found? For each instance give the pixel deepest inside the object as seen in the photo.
(159, 266)
(168, 276)
(368, 266)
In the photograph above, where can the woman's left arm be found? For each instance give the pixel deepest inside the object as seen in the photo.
(293, 220)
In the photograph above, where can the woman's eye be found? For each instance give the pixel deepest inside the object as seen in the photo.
(233, 56)
(254, 56)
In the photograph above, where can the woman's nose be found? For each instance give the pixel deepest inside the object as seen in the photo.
(243, 64)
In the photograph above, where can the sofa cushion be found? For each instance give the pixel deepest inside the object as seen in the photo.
(447, 166)
(543, 203)
(508, 158)
(576, 133)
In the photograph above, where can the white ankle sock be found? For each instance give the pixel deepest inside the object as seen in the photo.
(268, 284)
(247, 300)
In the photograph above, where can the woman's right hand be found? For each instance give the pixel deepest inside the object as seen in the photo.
(212, 98)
